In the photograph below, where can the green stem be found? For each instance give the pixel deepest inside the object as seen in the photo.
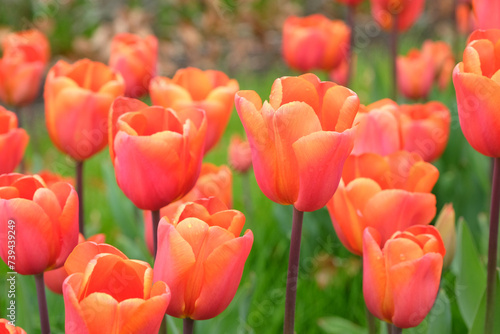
(247, 196)
(492, 250)
(293, 272)
(163, 326)
(370, 319)
(187, 326)
(394, 56)
(42, 304)
(79, 190)
(389, 328)
(396, 330)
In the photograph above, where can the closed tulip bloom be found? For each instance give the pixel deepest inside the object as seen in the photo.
(213, 182)
(32, 40)
(477, 85)
(315, 42)
(415, 74)
(156, 152)
(209, 90)
(7, 328)
(407, 12)
(487, 13)
(425, 129)
(13, 141)
(201, 257)
(114, 295)
(299, 139)
(401, 276)
(444, 61)
(77, 101)
(240, 154)
(387, 193)
(135, 59)
(44, 220)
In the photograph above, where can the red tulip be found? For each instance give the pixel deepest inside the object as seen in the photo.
(43, 220)
(13, 141)
(240, 154)
(190, 87)
(213, 182)
(114, 294)
(25, 55)
(6, 327)
(401, 276)
(135, 59)
(406, 12)
(315, 42)
(387, 193)
(201, 257)
(77, 101)
(299, 139)
(487, 13)
(477, 85)
(415, 74)
(156, 152)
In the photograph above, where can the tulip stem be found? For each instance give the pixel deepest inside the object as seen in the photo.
(396, 330)
(187, 326)
(293, 272)
(370, 319)
(42, 304)
(389, 328)
(155, 216)
(247, 196)
(79, 190)
(492, 250)
(351, 14)
(394, 56)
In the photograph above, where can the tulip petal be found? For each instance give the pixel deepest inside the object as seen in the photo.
(82, 254)
(74, 315)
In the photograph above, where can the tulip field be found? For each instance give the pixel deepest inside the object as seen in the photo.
(210, 167)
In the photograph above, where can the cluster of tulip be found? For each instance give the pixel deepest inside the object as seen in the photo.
(312, 144)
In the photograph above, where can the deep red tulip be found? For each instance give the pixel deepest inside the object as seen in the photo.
(13, 141)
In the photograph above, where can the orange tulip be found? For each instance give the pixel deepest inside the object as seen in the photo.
(406, 11)
(77, 101)
(190, 87)
(444, 61)
(135, 59)
(50, 178)
(315, 42)
(415, 74)
(201, 257)
(54, 278)
(464, 17)
(299, 139)
(213, 182)
(7, 328)
(387, 193)
(43, 219)
(487, 13)
(156, 152)
(425, 129)
(114, 295)
(240, 154)
(401, 276)
(25, 55)
(477, 85)
(13, 141)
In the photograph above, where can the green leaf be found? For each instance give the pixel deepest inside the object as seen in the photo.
(336, 325)
(478, 325)
(439, 317)
(471, 276)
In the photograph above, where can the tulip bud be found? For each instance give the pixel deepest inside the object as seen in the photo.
(240, 154)
(445, 224)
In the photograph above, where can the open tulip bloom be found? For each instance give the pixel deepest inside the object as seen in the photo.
(299, 141)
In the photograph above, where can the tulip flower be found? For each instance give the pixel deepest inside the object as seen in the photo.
(487, 13)
(156, 152)
(425, 129)
(135, 59)
(401, 276)
(201, 260)
(239, 154)
(7, 328)
(50, 178)
(13, 141)
(213, 182)
(401, 12)
(43, 219)
(299, 139)
(415, 74)
(315, 42)
(54, 278)
(464, 17)
(386, 193)
(190, 88)
(77, 101)
(25, 55)
(444, 61)
(445, 224)
(114, 294)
